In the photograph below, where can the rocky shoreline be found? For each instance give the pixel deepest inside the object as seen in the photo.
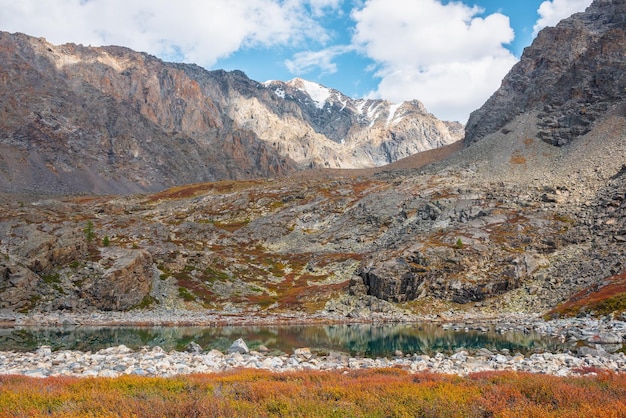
(120, 360)
(599, 341)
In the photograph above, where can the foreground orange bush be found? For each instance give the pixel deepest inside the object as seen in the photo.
(373, 393)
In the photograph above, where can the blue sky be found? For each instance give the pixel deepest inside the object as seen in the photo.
(451, 55)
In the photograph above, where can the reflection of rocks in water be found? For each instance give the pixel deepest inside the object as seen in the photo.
(84, 339)
(17, 340)
(370, 340)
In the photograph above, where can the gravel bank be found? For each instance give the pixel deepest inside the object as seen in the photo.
(120, 360)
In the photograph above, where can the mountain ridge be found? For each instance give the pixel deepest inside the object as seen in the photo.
(112, 120)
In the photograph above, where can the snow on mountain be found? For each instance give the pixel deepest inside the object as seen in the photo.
(392, 113)
(318, 93)
(360, 132)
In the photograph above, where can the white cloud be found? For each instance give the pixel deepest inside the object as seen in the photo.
(320, 7)
(307, 61)
(199, 31)
(553, 11)
(446, 56)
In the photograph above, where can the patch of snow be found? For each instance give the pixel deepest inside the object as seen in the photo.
(360, 105)
(317, 92)
(392, 113)
(280, 93)
(373, 113)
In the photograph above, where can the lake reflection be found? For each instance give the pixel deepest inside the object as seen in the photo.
(367, 340)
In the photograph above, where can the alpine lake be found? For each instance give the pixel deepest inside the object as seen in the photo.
(361, 340)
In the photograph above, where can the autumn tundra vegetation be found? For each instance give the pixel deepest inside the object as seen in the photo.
(367, 393)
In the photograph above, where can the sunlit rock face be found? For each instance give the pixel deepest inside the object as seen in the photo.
(111, 120)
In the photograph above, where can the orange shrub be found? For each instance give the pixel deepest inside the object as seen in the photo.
(372, 393)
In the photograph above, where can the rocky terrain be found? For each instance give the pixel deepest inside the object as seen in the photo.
(119, 361)
(513, 222)
(337, 243)
(78, 119)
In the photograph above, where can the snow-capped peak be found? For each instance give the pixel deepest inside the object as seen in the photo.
(318, 93)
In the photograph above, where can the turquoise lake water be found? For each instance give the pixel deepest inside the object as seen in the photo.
(365, 340)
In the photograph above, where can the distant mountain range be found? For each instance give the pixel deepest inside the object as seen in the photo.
(111, 120)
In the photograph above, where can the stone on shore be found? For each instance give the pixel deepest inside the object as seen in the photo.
(194, 348)
(239, 346)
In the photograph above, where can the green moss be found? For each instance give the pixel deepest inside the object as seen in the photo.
(58, 288)
(277, 268)
(212, 275)
(185, 294)
(231, 226)
(166, 273)
(615, 303)
(32, 302)
(51, 278)
(563, 218)
(146, 302)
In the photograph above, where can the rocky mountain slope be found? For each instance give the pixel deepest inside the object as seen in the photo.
(571, 76)
(346, 245)
(111, 120)
(509, 223)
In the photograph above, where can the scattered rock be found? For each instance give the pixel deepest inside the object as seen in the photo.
(238, 346)
(193, 348)
(304, 353)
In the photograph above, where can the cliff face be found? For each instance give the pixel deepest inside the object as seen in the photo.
(572, 74)
(78, 119)
(110, 120)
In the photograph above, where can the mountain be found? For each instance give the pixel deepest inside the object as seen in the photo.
(111, 120)
(571, 77)
(510, 221)
(371, 133)
(541, 203)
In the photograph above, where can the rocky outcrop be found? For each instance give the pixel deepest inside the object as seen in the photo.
(111, 120)
(42, 251)
(573, 74)
(17, 287)
(61, 270)
(123, 282)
